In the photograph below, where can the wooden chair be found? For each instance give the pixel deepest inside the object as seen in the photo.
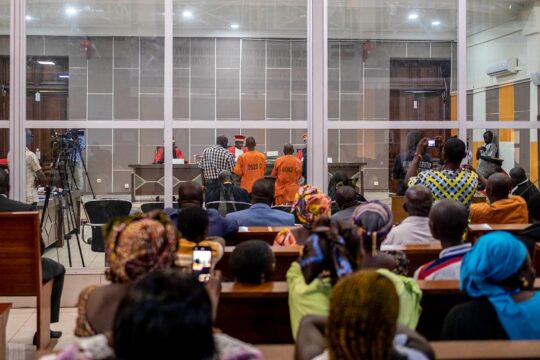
(474, 231)
(4, 314)
(417, 254)
(398, 212)
(20, 267)
(486, 350)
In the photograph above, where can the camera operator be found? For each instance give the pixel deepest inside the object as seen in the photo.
(33, 171)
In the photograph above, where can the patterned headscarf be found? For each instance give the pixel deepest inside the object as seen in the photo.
(310, 203)
(139, 244)
(376, 219)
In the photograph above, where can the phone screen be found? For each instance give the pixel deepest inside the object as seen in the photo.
(432, 142)
(202, 263)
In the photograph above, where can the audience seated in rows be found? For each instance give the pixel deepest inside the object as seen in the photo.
(331, 252)
(226, 196)
(451, 182)
(502, 208)
(165, 315)
(522, 186)
(50, 269)
(308, 205)
(260, 213)
(191, 194)
(531, 235)
(374, 221)
(415, 228)
(361, 324)
(346, 201)
(252, 262)
(497, 273)
(134, 246)
(193, 228)
(448, 222)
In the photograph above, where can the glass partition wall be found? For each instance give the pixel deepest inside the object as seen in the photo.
(111, 85)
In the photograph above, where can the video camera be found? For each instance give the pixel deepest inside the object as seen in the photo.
(68, 138)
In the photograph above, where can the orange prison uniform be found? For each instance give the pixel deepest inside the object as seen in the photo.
(506, 211)
(250, 166)
(287, 169)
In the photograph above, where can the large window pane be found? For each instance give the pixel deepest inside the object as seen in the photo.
(391, 60)
(4, 80)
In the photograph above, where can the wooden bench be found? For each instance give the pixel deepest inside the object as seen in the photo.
(256, 314)
(486, 350)
(4, 314)
(474, 231)
(418, 254)
(20, 267)
(266, 233)
(259, 314)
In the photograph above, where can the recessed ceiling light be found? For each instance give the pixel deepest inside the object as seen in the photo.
(435, 23)
(187, 14)
(45, 62)
(413, 16)
(71, 11)
(28, 18)
(235, 26)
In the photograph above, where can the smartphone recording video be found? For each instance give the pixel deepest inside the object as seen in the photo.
(202, 263)
(432, 143)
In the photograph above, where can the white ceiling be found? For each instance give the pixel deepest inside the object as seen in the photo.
(374, 19)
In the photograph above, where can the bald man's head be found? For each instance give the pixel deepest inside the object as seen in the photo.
(448, 221)
(262, 192)
(225, 176)
(418, 201)
(498, 187)
(190, 194)
(518, 175)
(346, 197)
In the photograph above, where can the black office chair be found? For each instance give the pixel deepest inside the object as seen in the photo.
(146, 207)
(226, 207)
(100, 212)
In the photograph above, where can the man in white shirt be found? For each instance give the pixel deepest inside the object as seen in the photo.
(415, 228)
(33, 170)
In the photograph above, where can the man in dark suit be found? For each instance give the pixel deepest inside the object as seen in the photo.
(50, 269)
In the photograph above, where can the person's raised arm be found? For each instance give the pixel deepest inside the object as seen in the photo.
(213, 287)
(413, 165)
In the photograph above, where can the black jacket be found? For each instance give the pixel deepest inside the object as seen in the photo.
(530, 236)
(8, 205)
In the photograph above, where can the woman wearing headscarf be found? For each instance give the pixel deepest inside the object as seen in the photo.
(309, 204)
(134, 246)
(361, 324)
(497, 273)
(374, 221)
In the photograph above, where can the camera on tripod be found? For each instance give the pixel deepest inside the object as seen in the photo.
(68, 139)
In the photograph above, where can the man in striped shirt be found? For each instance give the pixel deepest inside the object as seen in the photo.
(447, 221)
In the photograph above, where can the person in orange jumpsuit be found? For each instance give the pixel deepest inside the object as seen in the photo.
(288, 170)
(251, 165)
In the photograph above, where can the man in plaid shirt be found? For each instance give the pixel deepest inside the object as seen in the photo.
(215, 159)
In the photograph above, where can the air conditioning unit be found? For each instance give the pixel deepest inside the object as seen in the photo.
(502, 68)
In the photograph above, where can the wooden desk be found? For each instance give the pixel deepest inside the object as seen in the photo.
(4, 314)
(266, 233)
(147, 179)
(486, 350)
(474, 231)
(418, 254)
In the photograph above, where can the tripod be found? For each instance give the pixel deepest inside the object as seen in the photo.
(75, 154)
(68, 218)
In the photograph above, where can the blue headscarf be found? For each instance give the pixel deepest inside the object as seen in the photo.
(494, 258)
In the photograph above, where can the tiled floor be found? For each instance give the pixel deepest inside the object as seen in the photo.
(22, 326)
